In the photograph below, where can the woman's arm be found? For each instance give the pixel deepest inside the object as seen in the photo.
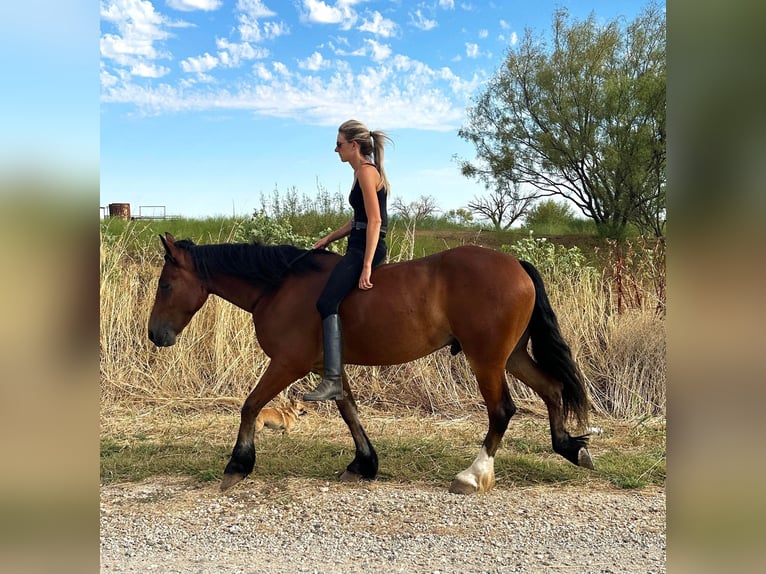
(369, 179)
(339, 233)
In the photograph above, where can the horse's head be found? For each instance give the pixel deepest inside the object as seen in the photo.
(180, 294)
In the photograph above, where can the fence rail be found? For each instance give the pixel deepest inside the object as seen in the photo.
(145, 212)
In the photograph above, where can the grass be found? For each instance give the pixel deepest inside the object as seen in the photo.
(139, 445)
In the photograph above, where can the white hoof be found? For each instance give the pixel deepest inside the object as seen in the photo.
(350, 477)
(584, 459)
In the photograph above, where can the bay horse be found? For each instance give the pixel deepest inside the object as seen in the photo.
(487, 304)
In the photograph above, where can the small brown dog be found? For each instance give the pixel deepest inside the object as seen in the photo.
(280, 418)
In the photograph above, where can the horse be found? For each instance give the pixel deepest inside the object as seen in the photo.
(481, 302)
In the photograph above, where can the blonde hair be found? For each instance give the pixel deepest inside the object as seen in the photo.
(372, 144)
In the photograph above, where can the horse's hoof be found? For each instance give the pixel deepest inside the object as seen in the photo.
(348, 476)
(230, 480)
(584, 459)
(460, 487)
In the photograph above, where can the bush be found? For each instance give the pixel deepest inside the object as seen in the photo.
(549, 258)
(263, 229)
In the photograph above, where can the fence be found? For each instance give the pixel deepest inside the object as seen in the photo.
(144, 212)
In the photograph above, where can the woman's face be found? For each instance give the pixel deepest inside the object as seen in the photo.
(343, 147)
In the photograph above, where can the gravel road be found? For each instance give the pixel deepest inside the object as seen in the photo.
(305, 526)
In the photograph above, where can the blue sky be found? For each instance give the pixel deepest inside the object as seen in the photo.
(207, 104)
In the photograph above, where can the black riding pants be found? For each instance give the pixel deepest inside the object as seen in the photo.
(345, 276)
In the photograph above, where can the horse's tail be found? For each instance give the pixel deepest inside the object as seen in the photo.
(552, 353)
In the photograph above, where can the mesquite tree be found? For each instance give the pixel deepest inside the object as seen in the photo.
(581, 116)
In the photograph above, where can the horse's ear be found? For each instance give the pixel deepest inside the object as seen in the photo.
(170, 245)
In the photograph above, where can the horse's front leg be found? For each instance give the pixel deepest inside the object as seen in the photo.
(242, 461)
(365, 463)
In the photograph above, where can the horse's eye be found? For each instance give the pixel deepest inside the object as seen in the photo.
(165, 286)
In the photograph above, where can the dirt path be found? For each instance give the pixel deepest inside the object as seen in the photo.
(307, 526)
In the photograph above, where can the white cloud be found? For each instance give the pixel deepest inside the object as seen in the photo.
(190, 5)
(318, 12)
(514, 38)
(232, 54)
(273, 30)
(149, 70)
(139, 28)
(254, 9)
(379, 26)
(421, 22)
(252, 31)
(108, 80)
(249, 29)
(447, 4)
(314, 63)
(483, 33)
(281, 69)
(345, 52)
(379, 52)
(262, 72)
(397, 92)
(199, 65)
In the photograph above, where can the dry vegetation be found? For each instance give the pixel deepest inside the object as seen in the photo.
(217, 360)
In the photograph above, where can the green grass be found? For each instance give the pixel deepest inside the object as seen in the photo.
(431, 238)
(144, 232)
(430, 460)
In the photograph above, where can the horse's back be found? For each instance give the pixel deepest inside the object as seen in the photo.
(465, 293)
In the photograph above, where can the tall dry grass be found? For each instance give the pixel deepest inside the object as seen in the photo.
(217, 360)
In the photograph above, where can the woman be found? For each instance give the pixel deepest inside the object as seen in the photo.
(363, 150)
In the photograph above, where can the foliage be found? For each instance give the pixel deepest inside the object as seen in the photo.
(550, 259)
(306, 216)
(294, 220)
(268, 230)
(549, 212)
(583, 119)
(459, 217)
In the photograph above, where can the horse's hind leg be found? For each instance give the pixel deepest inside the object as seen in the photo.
(480, 476)
(524, 368)
(365, 463)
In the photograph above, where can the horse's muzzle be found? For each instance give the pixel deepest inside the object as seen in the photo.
(162, 337)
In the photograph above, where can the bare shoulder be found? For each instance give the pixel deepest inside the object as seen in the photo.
(368, 174)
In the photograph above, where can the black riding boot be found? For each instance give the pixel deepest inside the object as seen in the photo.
(331, 386)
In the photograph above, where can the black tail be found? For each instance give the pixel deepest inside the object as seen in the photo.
(552, 353)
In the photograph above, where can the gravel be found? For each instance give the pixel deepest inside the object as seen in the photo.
(305, 526)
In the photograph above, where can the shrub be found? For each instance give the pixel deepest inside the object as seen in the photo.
(550, 259)
(263, 229)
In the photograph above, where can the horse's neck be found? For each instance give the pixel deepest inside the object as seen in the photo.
(236, 291)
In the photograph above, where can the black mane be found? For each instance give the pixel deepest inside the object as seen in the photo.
(263, 265)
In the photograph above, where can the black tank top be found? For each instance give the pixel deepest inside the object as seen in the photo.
(356, 199)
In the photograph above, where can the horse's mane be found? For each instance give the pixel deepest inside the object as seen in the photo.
(263, 265)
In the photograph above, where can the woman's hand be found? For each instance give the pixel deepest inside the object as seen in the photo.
(323, 243)
(364, 278)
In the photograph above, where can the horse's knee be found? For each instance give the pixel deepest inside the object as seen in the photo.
(501, 414)
(510, 408)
